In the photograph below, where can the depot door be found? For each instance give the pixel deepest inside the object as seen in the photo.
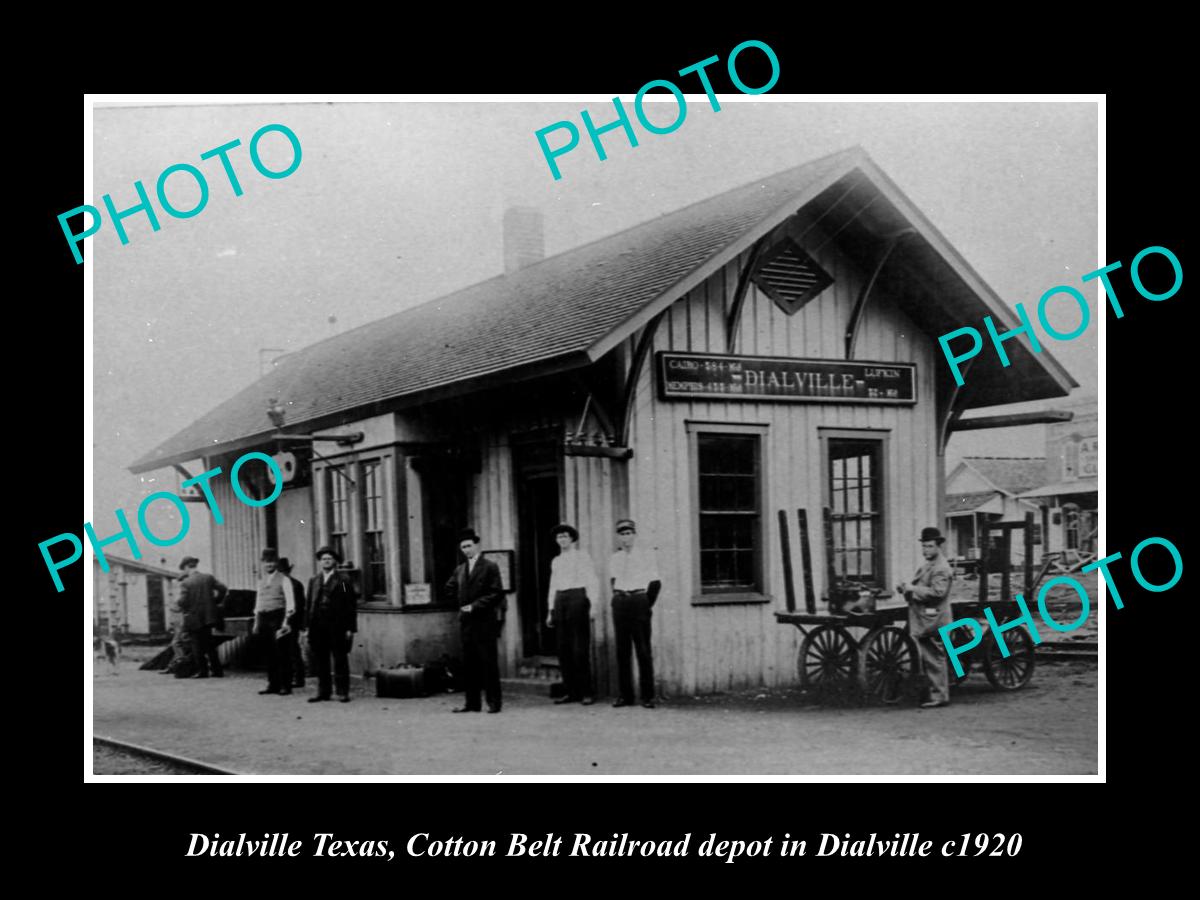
(537, 476)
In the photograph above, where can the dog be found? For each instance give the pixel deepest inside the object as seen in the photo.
(108, 649)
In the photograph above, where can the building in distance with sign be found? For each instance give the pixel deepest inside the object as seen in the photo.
(771, 349)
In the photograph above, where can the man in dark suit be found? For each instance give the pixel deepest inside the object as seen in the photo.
(477, 589)
(200, 599)
(928, 596)
(295, 623)
(332, 620)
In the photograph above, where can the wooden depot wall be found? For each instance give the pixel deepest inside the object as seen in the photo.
(703, 648)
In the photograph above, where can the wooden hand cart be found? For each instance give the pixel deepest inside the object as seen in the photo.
(873, 655)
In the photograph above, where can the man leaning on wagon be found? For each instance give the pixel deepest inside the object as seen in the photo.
(928, 596)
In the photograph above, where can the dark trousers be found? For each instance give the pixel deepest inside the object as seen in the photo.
(204, 650)
(297, 661)
(323, 643)
(631, 622)
(481, 667)
(572, 622)
(278, 650)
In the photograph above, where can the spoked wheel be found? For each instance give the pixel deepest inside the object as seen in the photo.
(887, 661)
(828, 660)
(1013, 672)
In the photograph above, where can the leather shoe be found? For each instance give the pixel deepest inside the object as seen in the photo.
(269, 691)
(199, 675)
(934, 704)
(342, 698)
(588, 701)
(618, 703)
(561, 700)
(648, 704)
(317, 699)
(284, 691)
(493, 709)
(459, 709)
(218, 674)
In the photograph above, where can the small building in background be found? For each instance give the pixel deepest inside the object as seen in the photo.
(984, 489)
(1069, 495)
(132, 597)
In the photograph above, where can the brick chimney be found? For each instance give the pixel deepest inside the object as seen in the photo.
(523, 243)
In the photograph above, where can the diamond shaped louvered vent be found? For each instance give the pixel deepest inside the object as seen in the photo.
(790, 277)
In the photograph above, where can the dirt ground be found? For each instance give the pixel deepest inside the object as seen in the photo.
(1050, 727)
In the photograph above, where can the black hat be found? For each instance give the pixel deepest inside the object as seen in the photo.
(332, 552)
(468, 534)
(188, 561)
(626, 525)
(564, 528)
(284, 565)
(270, 554)
(931, 534)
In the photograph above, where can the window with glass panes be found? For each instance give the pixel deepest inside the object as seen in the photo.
(855, 503)
(729, 473)
(338, 492)
(374, 557)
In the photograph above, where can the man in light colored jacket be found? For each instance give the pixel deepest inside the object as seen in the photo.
(928, 596)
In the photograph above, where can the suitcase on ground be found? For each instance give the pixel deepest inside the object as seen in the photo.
(402, 682)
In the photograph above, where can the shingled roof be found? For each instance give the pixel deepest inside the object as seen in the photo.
(1014, 474)
(570, 309)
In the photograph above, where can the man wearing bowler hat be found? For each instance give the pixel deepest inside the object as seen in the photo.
(928, 596)
(477, 589)
(332, 620)
(635, 587)
(274, 610)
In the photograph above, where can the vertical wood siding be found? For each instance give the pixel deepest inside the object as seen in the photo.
(712, 648)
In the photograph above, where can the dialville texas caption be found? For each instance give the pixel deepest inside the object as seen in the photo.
(424, 844)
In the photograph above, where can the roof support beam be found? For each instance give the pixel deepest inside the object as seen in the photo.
(861, 305)
(1046, 417)
(734, 319)
(645, 342)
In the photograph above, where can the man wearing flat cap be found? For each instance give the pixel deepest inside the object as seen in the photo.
(477, 589)
(928, 596)
(574, 587)
(274, 609)
(332, 620)
(200, 599)
(635, 587)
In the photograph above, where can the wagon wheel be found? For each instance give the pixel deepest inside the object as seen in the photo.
(1014, 671)
(887, 660)
(828, 660)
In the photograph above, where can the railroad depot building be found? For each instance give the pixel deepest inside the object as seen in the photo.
(771, 348)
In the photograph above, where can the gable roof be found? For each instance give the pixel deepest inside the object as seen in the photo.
(1011, 474)
(972, 500)
(569, 310)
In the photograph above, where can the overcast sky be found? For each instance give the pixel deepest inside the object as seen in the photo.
(394, 204)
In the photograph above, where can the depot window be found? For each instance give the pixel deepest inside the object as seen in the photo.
(854, 463)
(728, 489)
(355, 509)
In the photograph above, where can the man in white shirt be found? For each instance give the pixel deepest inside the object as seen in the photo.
(635, 586)
(573, 587)
(274, 607)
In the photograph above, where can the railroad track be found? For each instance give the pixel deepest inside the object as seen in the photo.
(182, 764)
(1080, 650)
